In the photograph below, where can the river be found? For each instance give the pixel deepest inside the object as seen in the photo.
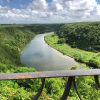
(40, 55)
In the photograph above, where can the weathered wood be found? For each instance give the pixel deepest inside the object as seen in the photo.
(49, 74)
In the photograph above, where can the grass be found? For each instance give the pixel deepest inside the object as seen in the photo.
(87, 57)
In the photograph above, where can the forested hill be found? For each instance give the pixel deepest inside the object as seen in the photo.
(14, 37)
(82, 35)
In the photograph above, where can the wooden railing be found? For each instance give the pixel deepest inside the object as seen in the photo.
(71, 74)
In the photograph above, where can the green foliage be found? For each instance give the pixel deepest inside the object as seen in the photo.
(61, 41)
(12, 39)
(82, 35)
(55, 87)
(86, 85)
(11, 91)
(78, 54)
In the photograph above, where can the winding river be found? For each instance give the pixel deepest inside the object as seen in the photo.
(40, 55)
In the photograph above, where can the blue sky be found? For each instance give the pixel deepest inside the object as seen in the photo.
(98, 1)
(17, 3)
(20, 3)
(49, 11)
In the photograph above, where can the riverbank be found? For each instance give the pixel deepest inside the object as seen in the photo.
(45, 58)
(89, 58)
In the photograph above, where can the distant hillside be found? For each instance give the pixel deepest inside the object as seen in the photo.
(81, 35)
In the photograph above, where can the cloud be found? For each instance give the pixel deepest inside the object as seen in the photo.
(39, 5)
(57, 11)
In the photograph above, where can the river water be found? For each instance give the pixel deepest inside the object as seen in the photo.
(40, 55)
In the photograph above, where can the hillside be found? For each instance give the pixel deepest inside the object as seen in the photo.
(14, 37)
(85, 36)
(80, 41)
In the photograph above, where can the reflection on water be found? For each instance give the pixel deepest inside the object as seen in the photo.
(44, 58)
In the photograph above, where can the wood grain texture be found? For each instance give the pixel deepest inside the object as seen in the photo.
(49, 74)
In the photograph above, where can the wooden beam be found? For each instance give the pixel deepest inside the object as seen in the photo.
(49, 74)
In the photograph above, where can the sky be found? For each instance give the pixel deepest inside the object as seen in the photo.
(48, 11)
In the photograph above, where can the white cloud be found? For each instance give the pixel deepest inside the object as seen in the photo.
(58, 11)
(40, 5)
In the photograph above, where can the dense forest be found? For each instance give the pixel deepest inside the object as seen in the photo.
(80, 41)
(82, 35)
